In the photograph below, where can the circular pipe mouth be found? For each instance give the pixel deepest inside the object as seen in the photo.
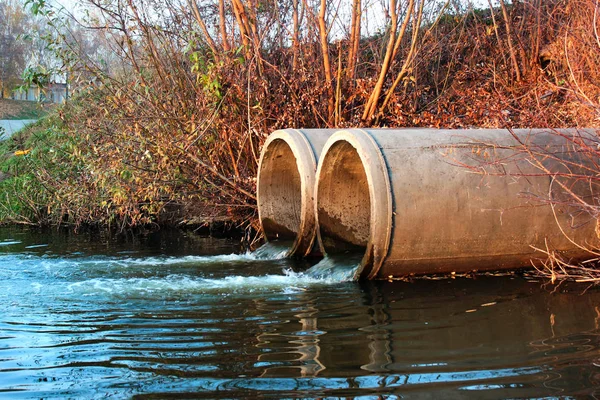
(285, 188)
(354, 201)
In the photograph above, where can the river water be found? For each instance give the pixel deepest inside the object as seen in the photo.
(175, 315)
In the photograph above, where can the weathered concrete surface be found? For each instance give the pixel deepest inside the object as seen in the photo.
(431, 201)
(285, 186)
(10, 127)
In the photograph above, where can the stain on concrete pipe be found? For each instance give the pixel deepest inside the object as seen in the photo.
(285, 187)
(422, 201)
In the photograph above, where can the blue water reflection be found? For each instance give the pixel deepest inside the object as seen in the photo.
(87, 318)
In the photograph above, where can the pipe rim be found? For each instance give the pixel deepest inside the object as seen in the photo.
(306, 162)
(380, 194)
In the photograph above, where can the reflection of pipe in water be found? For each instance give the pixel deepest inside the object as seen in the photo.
(380, 335)
(309, 348)
(285, 187)
(409, 202)
(306, 343)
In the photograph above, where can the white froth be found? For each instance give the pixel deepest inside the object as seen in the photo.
(289, 282)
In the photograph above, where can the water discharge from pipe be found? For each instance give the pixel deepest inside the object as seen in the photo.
(274, 250)
(337, 268)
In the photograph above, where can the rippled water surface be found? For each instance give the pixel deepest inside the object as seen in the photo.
(174, 315)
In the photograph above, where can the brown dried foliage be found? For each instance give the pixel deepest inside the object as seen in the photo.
(180, 123)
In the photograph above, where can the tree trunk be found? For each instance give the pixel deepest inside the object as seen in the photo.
(238, 11)
(354, 39)
(222, 26)
(256, 42)
(391, 50)
(200, 20)
(409, 58)
(326, 62)
(295, 34)
(511, 49)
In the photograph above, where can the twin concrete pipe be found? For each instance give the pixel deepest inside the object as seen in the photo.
(422, 201)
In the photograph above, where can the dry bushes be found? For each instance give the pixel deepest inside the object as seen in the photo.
(171, 127)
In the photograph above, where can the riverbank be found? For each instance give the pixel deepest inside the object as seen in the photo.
(21, 109)
(50, 176)
(173, 137)
(178, 141)
(72, 170)
(49, 179)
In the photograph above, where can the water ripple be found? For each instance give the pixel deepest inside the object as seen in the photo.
(136, 323)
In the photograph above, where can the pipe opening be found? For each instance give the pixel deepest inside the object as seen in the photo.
(344, 204)
(280, 189)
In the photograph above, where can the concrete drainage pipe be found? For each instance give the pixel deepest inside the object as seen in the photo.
(285, 187)
(434, 201)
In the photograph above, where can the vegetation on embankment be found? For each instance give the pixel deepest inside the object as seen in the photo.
(54, 173)
(26, 160)
(169, 126)
(20, 109)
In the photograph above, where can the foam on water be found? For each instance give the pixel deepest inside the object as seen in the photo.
(185, 259)
(331, 270)
(269, 251)
(159, 276)
(289, 281)
(81, 261)
(9, 242)
(36, 246)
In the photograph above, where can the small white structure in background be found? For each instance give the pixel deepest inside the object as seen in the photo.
(53, 93)
(57, 92)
